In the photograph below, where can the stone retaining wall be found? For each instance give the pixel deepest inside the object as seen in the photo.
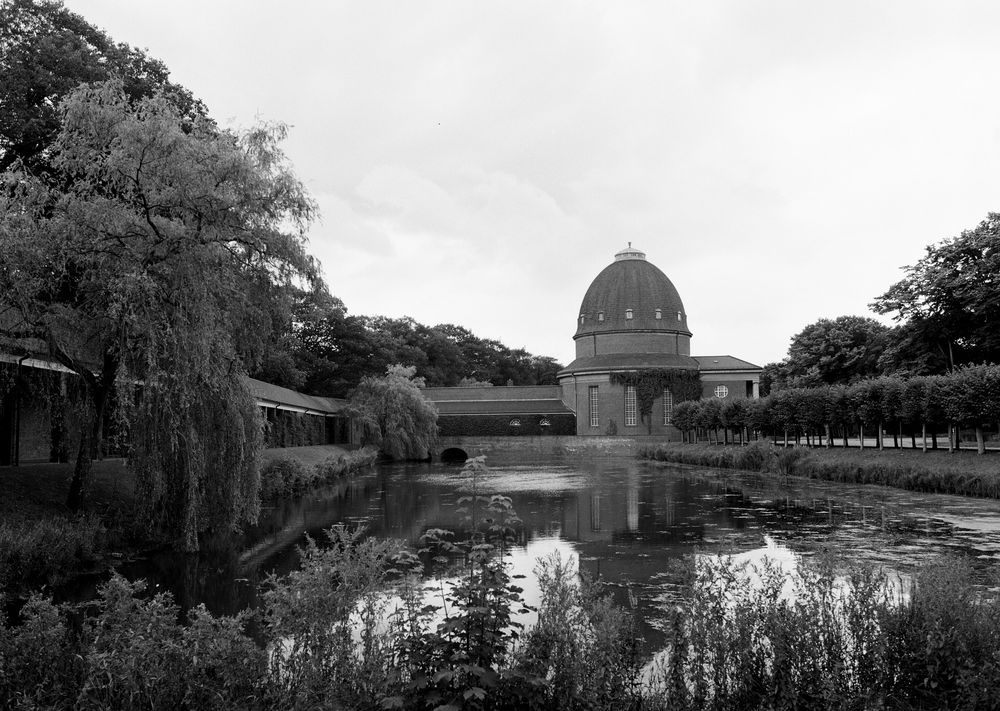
(568, 445)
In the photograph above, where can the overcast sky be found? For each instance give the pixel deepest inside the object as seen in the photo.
(479, 163)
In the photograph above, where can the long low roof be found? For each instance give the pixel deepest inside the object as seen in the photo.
(502, 407)
(269, 395)
(500, 392)
(638, 361)
(724, 362)
(628, 361)
(266, 394)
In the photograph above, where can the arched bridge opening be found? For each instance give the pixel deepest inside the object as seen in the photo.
(454, 455)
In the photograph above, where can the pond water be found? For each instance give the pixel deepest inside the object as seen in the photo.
(623, 519)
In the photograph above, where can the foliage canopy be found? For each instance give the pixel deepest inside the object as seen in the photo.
(949, 299)
(397, 416)
(155, 252)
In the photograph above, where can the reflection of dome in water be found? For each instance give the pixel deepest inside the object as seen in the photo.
(631, 294)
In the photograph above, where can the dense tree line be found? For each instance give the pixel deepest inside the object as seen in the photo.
(324, 350)
(947, 313)
(919, 407)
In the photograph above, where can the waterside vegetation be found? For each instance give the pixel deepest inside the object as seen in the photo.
(286, 474)
(935, 472)
(330, 637)
(41, 543)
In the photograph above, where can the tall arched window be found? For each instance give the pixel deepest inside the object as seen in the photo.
(668, 406)
(630, 406)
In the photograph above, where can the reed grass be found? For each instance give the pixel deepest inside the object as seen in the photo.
(962, 473)
(287, 475)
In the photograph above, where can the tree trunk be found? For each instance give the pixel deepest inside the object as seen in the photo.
(76, 500)
(980, 441)
(913, 438)
(933, 438)
(879, 434)
(923, 446)
(844, 432)
(90, 449)
(784, 442)
(98, 389)
(861, 434)
(951, 438)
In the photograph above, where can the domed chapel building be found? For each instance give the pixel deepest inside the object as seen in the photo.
(633, 363)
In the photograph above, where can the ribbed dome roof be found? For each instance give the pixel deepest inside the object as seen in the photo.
(631, 283)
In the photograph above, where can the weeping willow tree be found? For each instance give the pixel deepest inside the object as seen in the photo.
(195, 455)
(196, 430)
(649, 384)
(396, 416)
(155, 260)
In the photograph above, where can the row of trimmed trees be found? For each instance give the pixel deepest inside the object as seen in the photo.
(919, 407)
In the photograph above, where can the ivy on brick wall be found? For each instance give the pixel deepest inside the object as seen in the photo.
(649, 384)
(291, 429)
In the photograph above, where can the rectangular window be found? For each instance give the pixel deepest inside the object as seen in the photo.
(595, 417)
(630, 406)
(668, 406)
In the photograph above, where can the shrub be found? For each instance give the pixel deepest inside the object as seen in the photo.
(47, 550)
(758, 456)
(287, 476)
(39, 667)
(133, 652)
(584, 646)
(313, 616)
(343, 463)
(737, 642)
(790, 461)
(284, 477)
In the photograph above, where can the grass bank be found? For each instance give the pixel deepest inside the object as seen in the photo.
(962, 472)
(42, 542)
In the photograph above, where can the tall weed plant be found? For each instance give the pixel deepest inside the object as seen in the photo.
(40, 552)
